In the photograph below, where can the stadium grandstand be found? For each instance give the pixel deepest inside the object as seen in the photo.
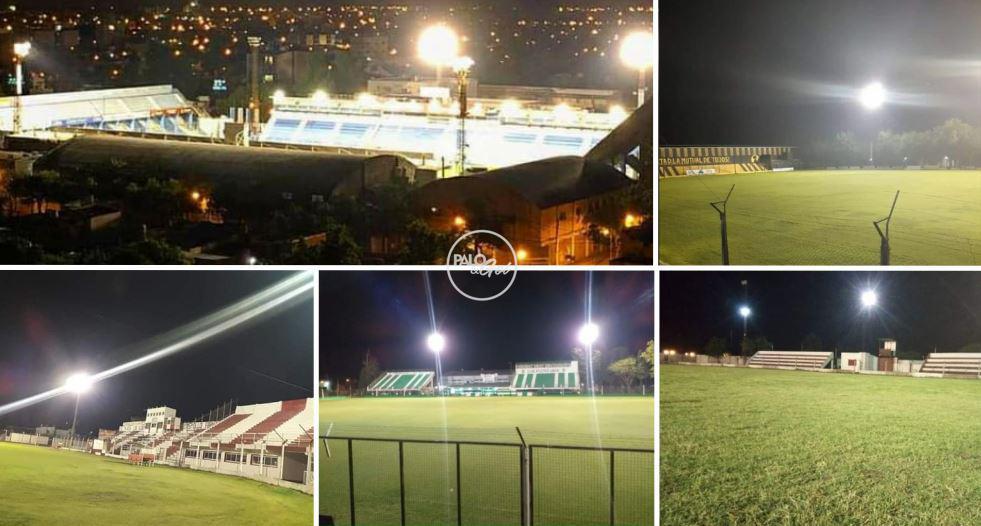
(791, 360)
(424, 130)
(546, 377)
(527, 379)
(151, 110)
(961, 365)
(269, 442)
(403, 383)
(674, 161)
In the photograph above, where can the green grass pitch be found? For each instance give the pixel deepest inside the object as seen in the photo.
(823, 217)
(571, 487)
(39, 485)
(758, 446)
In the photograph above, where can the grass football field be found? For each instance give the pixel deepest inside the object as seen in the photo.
(571, 487)
(39, 485)
(758, 446)
(823, 217)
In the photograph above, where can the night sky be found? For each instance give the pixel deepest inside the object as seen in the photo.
(54, 323)
(537, 319)
(920, 310)
(778, 72)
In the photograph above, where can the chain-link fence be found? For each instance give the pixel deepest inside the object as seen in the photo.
(381, 481)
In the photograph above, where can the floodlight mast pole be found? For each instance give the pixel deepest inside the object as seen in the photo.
(78, 396)
(722, 219)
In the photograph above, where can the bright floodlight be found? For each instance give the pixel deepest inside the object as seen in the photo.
(588, 334)
(872, 96)
(637, 50)
(320, 97)
(744, 311)
(278, 95)
(438, 45)
(78, 383)
(22, 49)
(869, 299)
(436, 342)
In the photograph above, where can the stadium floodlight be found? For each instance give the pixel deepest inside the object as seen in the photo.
(869, 299)
(438, 46)
(745, 311)
(436, 342)
(510, 109)
(79, 383)
(278, 96)
(872, 96)
(637, 52)
(22, 49)
(461, 64)
(320, 97)
(588, 334)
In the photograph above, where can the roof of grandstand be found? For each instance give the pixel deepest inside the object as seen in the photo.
(273, 169)
(633, 131)
(78, 107)
(544, 183)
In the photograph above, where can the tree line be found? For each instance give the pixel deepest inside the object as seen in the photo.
(954, 143)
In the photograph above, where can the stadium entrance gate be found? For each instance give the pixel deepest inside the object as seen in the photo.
(467, 482)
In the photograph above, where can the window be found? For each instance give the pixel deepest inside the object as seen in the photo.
(851, 363)
(271, 461)
(191, 453)
(209, 455)
(233, 457)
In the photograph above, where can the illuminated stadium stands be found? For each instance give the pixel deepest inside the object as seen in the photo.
(426, 135)
(953, 364)
(790, 359)
(403, 382)
(478, 383)
(149, 109)
(546, 376)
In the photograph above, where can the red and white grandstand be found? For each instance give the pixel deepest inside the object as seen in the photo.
(271, 442)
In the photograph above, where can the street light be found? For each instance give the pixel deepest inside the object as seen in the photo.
(438, 46)
(436, 344)
(637, 52)
(77, 383)
(461, 66)
(21, 50)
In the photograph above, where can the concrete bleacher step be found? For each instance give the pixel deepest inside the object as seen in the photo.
(792, 359)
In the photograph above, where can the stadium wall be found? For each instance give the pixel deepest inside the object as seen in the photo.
(679, 161)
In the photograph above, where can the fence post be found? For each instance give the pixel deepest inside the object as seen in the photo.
(350, 475)
(884, 236)
(531, 488)
(401, 483)
(524, 465)
(722, 220)
(612, 493)
(459, 500)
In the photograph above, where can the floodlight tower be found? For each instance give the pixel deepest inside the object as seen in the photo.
(745, 311)
(436, 344)
(637, 52)
(461, 66)
(588, 334)
(21, 50)
(254, 102)
(869, 301)
(77, 383)
(438, 46)
(872, 97)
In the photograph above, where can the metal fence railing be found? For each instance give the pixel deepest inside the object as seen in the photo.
(385, 481)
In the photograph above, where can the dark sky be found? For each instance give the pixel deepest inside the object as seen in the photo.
(921, 310)
(537, 319)
(53, 323)
(779, 72)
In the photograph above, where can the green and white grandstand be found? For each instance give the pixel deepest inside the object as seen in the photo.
(546, 377)
(403, 382)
